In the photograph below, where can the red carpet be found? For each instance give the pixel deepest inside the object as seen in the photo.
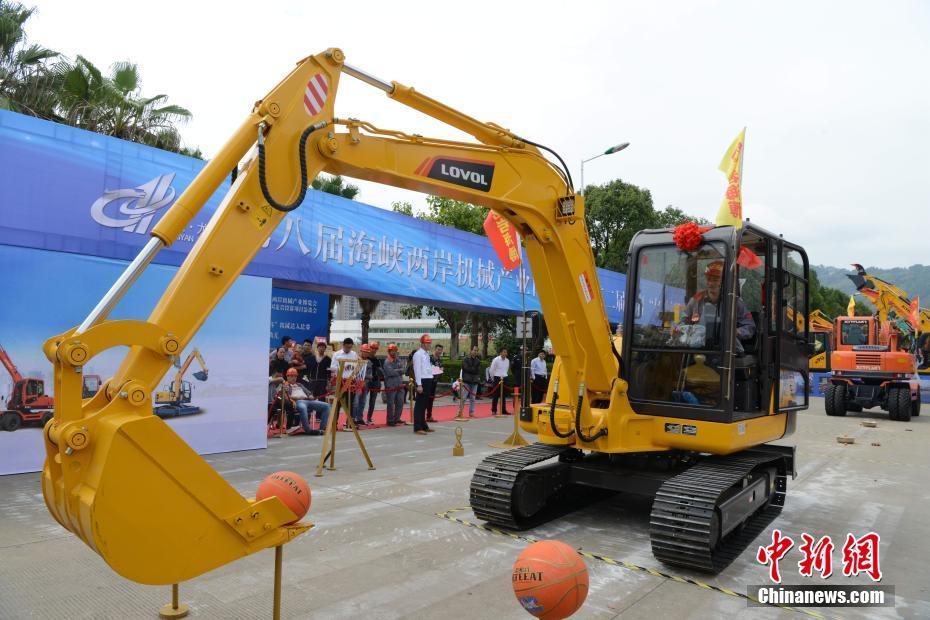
(441, 413)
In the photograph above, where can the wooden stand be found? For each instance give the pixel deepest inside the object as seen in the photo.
(278, 561)
(462, 390)
(174, 609)
(328, 449)
(515, 440)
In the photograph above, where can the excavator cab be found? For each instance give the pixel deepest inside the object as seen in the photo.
(712, 332)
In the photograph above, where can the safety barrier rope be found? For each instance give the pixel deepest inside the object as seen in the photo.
(470, 391)
(607, 560)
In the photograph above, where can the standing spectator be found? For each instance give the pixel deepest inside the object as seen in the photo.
(436, 360)
(423, 375)
(288, 343)
(296, 393)
(393, 370)
(516, 368)
(500, 366)
(540, 377)
(374, 386)
(924, 351)
(358, 410)
(305, 352)
(316, 375)
(471, 375)
(279, 363)
(297, 362)
(345, 353)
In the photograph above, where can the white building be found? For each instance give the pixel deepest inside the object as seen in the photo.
(405, 332)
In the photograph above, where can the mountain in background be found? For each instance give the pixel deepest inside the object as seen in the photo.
(914, 279)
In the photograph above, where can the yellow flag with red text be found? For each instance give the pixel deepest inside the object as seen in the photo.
(731, 208)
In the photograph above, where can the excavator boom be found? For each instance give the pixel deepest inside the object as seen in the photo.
(10, 366)
(113, 443)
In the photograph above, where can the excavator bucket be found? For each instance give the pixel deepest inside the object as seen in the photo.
(152, 508)
(119, 478)
(200, 375)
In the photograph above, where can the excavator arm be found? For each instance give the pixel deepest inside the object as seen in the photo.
(201, 375)
(893, 305)
(119, 478)
(10, 366)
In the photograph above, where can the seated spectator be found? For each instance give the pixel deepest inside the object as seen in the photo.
(275, 402)
(298, 395)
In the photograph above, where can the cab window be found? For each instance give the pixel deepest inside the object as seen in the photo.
(854, 332)
(679, 325)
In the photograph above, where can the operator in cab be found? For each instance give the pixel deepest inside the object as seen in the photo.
(705, 309)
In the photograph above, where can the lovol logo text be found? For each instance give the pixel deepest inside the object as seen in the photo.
(132, 209)
(465, 172)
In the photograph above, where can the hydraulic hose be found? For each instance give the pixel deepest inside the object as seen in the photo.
(302, 154)
(581, 434)
(555, 429)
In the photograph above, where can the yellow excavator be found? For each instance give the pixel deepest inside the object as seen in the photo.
(175, 399)
(683, 415)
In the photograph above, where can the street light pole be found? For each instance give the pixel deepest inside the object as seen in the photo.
(610, 151)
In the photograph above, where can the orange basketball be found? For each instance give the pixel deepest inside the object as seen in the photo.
(550, 580)
(290, 488)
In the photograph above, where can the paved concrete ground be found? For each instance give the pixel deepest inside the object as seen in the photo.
(380, 551)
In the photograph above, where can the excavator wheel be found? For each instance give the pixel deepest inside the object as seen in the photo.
(10, 421)
(899, 404)
(834, 399)
(828, 398)
(48, 416)
(915, 405)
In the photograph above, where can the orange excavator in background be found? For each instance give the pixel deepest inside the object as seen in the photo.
(28, 401)
(873, 364)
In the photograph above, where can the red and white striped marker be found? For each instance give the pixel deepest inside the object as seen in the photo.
(315, 94)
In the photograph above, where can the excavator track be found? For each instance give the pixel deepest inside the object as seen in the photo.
(497, 476)
(685, 519)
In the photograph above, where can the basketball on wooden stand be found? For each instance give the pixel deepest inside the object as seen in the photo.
(550, 580)
(290, 488)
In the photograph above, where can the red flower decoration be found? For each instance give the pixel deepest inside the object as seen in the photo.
(688, 236)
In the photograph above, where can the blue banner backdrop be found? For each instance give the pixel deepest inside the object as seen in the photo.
(71, 190)
(298, 314)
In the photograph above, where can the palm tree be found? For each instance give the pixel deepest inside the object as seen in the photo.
(25, 84)
(113, 104)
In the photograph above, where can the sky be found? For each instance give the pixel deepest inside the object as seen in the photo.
(835, 95)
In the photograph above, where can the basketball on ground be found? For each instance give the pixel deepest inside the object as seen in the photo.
(550, 580)
(290, 488)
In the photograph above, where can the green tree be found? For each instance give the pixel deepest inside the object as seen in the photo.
(832, 302)
(26, 85)
(614, 212)
(404, 208)
(114, 105)
(336, 186)
(463, 216)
